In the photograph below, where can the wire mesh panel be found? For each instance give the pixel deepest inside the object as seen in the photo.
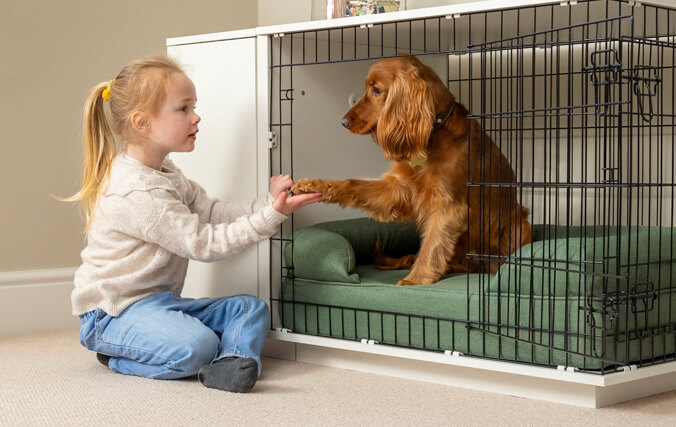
(580, 100)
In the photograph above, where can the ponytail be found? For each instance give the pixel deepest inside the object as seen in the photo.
(99, 152)
(140, 86)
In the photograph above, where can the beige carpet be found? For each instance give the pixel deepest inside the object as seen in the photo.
(49, 379)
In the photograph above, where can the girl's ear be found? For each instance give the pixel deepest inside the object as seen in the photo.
(406, 122)
(139, 122)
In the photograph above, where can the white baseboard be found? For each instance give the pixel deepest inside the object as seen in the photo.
(36, 300)
(514, 379)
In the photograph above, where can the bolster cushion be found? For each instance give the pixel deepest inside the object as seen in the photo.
(590, 261)
(330, 251)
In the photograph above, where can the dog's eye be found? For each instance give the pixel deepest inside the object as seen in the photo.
(376, 91)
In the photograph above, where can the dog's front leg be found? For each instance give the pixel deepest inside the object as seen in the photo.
(441, 231)
(386, 199)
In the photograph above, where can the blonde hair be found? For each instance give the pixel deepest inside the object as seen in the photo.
(140, 86)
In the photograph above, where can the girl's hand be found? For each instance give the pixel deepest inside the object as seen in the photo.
(288, 203)
(279, 184)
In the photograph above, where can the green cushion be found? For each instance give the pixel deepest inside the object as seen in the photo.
(581, 261)
(433, 317)
(330, 250)
(458, 314)
(318, 254)
(336, 293)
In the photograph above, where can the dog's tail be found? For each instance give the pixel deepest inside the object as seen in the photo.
(383, 262)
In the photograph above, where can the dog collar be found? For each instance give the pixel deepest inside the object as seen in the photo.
(441, 118)
(438, 121)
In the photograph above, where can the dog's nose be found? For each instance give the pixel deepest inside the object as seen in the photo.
(345, 122)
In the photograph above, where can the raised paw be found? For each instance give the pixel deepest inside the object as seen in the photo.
(307, 185)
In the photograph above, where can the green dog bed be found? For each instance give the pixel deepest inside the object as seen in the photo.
(585, 297)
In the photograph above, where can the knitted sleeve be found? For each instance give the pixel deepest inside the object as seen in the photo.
(158, 216)
(214, 211)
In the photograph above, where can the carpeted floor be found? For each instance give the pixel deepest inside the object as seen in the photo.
(49, 379)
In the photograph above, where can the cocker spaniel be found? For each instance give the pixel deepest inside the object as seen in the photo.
(446, 175)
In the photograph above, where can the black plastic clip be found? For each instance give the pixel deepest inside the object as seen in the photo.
(605, 71)
(644, 83)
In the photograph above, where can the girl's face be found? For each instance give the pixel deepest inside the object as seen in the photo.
(174, 127)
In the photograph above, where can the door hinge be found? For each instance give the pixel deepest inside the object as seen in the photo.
(272, 140)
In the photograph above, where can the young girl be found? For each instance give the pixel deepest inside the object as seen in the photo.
(145, 220)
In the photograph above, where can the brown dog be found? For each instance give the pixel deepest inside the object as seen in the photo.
(412, 116)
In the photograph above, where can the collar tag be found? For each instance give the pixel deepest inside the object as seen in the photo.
(418, 161)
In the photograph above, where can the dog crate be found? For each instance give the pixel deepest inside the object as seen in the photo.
(579, 97)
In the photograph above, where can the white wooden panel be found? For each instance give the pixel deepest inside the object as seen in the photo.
(224, 161)
(533, 382)
(263, 99)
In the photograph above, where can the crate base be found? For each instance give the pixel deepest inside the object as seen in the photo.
(532, 382)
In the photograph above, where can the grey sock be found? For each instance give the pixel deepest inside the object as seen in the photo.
(237, 374)
(103, 358)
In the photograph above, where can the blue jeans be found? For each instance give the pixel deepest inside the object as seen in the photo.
(165, 336)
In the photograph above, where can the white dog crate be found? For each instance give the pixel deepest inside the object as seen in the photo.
(578, 95)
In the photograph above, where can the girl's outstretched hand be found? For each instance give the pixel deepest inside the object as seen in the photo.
(279, 184)
(286, 203)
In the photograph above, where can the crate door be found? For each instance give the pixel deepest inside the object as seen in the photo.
(224, 160)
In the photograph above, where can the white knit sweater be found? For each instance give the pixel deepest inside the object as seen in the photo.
(149, 224)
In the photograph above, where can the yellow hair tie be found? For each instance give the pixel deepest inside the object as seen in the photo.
(106, 94)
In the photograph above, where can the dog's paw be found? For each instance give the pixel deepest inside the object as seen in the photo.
(305, 185)
(412, 280)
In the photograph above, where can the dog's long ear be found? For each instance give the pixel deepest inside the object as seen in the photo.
(406, 122)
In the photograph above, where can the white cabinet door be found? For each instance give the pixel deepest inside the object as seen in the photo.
(224, 161)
